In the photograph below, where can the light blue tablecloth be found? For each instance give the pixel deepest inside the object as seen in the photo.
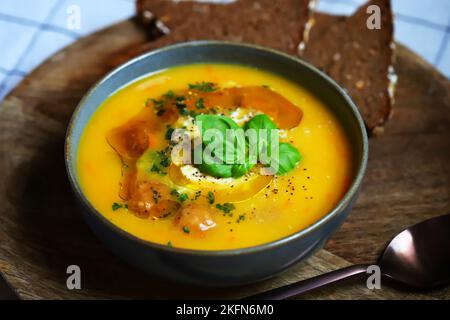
(32, 30)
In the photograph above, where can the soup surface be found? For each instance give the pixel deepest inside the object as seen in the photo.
(130, 172)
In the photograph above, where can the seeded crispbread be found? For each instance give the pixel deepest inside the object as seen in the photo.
(277, 24)
(358, 58)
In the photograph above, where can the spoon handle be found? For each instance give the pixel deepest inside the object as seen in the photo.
(304, 286)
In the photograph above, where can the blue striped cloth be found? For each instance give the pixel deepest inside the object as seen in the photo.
(32, 30)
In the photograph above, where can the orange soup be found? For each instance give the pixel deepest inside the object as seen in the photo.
(133, 171)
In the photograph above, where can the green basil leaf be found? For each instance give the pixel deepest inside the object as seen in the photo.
(230, 163)
(258, 123)
(240, 169)
(209, 121)
(222, 124)
(216, 170)
(222, 165)
(215, 167)
(289, 158)
(235, 146)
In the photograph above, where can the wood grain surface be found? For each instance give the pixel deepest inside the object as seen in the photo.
(41, 232)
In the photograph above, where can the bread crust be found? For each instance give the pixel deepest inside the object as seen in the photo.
(359, 59)
(277, 24)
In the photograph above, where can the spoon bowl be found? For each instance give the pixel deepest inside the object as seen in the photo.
(417, 258)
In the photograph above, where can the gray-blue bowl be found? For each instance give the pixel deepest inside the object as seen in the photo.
(222, 267)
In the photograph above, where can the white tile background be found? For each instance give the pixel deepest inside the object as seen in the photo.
(32, 30)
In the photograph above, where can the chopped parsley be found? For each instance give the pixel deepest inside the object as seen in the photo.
(160, 112)
(186, 229)
(181, 106)
(183, 197)
(160, 162)
(226, 207)
(165, 162)
(155, 168)
(174, 193)
(200, 103)
(169, 94)
(203, 86)
(117, 206)
(169, 243)
(169, 133)
(158, 104)
(211, 197)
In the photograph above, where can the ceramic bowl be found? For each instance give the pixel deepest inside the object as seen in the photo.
(222, 267)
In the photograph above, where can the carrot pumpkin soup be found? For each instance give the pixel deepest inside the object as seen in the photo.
(212, 156)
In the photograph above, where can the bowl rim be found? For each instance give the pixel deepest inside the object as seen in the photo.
(342, 204)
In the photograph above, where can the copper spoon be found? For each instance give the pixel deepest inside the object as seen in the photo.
(418, 258)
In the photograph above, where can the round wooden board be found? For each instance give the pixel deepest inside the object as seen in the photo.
(41, 233)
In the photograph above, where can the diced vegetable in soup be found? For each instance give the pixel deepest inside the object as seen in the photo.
(213, 157)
